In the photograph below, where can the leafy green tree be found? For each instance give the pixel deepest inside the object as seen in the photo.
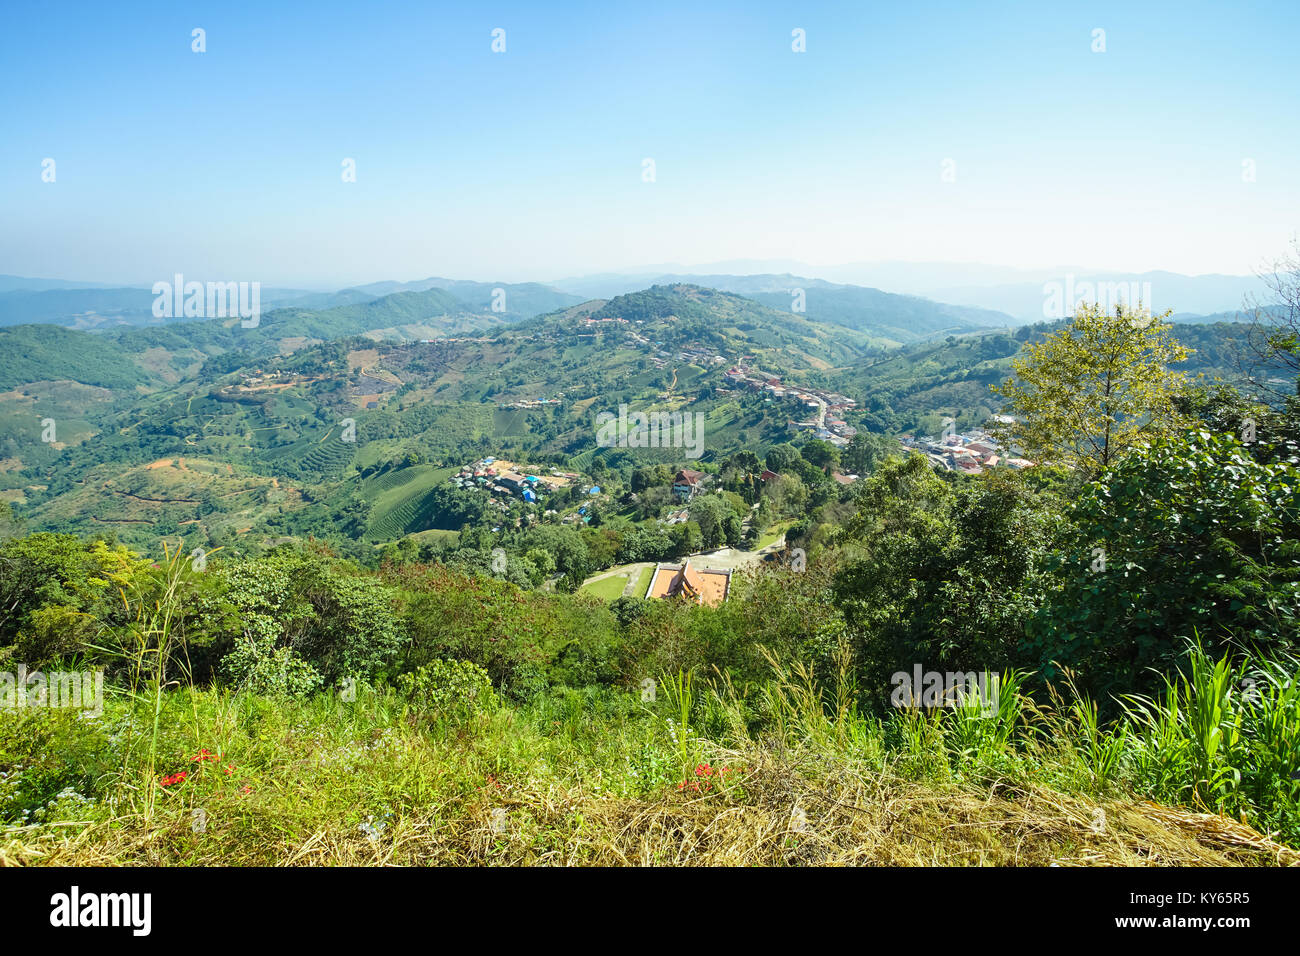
(865, 451)
(337, 621)
(820, 454)
(1087, 393)
(1188, 537)
(940, 576)
(711, 513)
(686, 539)
(55, 591)
(10, 522)
(781, 458)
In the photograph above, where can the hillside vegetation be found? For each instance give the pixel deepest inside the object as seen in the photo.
(323, 648)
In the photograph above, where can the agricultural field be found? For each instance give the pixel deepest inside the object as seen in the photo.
(396, 499)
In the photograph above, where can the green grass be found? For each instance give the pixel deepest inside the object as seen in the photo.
(607, 589)
(643, 581)
(576, 776)
(771, 535)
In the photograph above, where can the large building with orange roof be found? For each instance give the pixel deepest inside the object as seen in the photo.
(701, 585)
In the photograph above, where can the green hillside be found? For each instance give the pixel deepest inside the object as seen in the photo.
(35, 353)
(330, 417)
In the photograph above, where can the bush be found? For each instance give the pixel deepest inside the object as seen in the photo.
(261, 668)
(1189, 534)
(453, 690)
(339, 622)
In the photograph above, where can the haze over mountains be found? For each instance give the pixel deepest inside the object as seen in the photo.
(1016, 292)
(897, 302)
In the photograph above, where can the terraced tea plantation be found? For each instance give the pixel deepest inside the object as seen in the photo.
(396, 498)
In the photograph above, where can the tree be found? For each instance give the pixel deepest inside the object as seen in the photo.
(744, 462)
(782, 457)
(1191, 537)
(10, 523)
(787, 494)
(940, 575)
(1087, 393)
(711, 512)
(820, 454)
(686, 538)
(865, 451)
(1274, 336)
(53, 586)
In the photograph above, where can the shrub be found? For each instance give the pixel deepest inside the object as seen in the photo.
(257, 665)
(446, 689)
(1188, 534)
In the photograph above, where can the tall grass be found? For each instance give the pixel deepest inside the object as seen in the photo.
(1222, 736)
(593, 774)
(149, 649)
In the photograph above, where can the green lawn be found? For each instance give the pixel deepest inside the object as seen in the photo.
(607, 589)
(643, 581)
(771, 534)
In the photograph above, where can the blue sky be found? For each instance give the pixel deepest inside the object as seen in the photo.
(527, 164)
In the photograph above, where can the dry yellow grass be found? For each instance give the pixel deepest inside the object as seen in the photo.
(857, 821)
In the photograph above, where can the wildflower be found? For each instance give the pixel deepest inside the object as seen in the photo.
(174, 778)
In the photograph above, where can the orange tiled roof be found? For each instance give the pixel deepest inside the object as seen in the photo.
(704, 586)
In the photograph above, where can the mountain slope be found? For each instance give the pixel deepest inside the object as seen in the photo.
(32, 353)
(887, 317)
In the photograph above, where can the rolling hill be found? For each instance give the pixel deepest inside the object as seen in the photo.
(357, 416)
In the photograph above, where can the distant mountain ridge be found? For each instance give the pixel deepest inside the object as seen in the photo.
(92, 307)
(923, 299)
(1018, 293)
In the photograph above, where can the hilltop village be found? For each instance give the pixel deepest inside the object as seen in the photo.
(822, 410)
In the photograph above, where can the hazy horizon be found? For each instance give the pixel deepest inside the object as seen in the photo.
(999, 274)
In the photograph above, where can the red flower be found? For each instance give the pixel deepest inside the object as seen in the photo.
(175, 778)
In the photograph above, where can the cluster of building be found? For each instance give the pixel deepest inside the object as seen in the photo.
(691, 354)
(530, 403)
(701, 357)
(499, 477)
(257, 380)
(973, 452)
(823, 410)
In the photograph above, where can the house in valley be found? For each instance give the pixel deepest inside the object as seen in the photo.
(687, 484)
